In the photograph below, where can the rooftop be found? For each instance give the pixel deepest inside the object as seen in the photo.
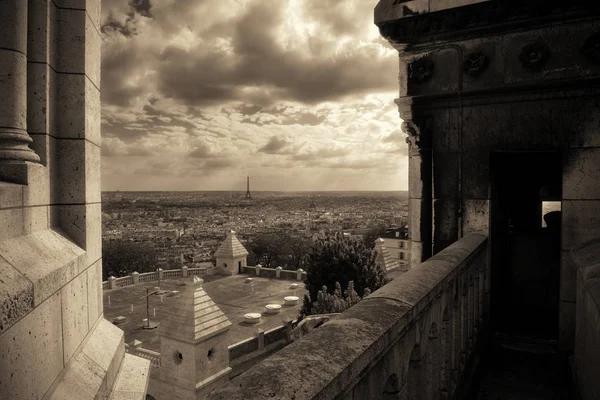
(231, 294)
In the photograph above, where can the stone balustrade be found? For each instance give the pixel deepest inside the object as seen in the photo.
(278, 273)
(153, 356)
(416, 337)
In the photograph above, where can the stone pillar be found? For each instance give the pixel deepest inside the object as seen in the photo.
(418, 138)
(14, 140)
(261, 339)
(278, 272)
(113, 282)
(299, 273)
(160, 273)
(136, 277)
(184, 271)
(257, 269)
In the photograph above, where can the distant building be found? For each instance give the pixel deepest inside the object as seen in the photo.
(397, 243)
(231, 255)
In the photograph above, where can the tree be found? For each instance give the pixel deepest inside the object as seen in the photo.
(121, 258)
(372, 235)
(338, 260)
(327, 303)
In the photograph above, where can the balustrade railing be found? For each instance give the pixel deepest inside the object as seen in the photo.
(153, 356)
(416, 337)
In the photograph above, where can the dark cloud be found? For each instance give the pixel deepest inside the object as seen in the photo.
(201, 150)
(142, 7)
(276, 145)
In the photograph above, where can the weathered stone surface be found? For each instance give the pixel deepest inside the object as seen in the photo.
(476, 216)
(13, 30)
(72, 219)
(105, 347)
(16, 295)
(11, 195)
(13, 112)
(94, 288)
(580, 222)
(45, 259)
(475, 174)
(37, 192)
(133, 379)
(32, 355)
(580, 176)
(445, 175)
(74, 314)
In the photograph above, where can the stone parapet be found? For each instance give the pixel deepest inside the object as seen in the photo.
(414, 338)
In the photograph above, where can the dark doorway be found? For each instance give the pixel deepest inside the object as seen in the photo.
(239, 267)
(525, 243)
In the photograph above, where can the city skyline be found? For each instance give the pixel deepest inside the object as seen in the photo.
(197, 95)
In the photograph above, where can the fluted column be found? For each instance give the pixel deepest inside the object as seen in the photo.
(14, 140)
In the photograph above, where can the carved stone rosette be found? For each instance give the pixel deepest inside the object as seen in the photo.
(534, 56)
(420, 70)
(476, 63)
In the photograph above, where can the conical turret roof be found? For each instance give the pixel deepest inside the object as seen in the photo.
(194, 316)
(384, 257)
(231, 247)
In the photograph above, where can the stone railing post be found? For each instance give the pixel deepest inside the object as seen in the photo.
(257, 269)
(14, 140)
(184, 272)
(261, 339)
(136, 277)
(278, 272)
(160, 273)
(113, 282)
(299, 274)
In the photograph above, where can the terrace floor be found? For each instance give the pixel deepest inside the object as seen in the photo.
(232, 294)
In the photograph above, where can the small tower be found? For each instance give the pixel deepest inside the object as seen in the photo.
(231, 255)
(194, 358)
(248, 195)
(383, 257)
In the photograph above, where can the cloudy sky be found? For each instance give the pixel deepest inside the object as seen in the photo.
(298, 94)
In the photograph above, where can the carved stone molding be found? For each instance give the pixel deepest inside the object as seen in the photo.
(420, 70)
(534, 56)
(591, 48)
(476, 63)
(413, 134)
(483, 15)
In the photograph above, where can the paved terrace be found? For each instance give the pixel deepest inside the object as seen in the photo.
(232, 294)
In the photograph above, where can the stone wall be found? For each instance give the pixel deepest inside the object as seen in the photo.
(530, 84)
(416, 337)
(53, 339)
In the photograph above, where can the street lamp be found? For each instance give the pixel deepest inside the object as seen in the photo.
(148, 307)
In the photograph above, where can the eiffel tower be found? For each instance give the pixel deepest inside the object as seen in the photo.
(248, 195)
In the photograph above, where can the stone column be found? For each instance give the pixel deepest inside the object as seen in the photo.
(299, 274)
(184, 271)
(14, 140)
(113, 282)
(160, 274)
(418, 138)
(257, 269)
(278, 272)
(136, 277)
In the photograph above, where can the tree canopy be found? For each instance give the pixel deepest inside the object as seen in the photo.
(122, 258)
(336, 261)
(278, 249)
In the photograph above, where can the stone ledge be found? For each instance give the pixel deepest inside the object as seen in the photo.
(16, 295)
(46, 258)
(132, 383)
(93, 371)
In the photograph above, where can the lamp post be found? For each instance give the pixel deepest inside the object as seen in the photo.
(148, 307)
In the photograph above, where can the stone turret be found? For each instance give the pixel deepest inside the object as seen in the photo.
(231, 255)
(194, 357)
(384, 259)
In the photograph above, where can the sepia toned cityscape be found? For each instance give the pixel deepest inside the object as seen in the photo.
(301, 199)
